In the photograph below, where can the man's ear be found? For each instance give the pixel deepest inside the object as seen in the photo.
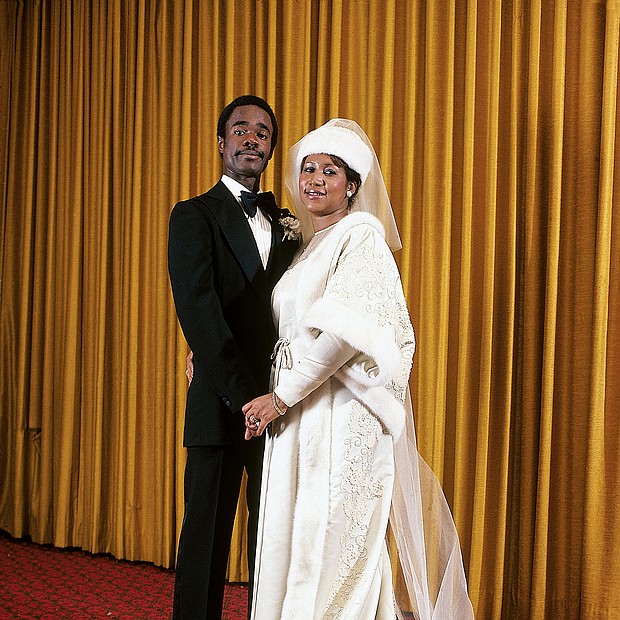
(220, 144)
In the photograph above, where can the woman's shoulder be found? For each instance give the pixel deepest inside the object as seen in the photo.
(354, 234)
(360, 222)
(359, 229)
(357, 242)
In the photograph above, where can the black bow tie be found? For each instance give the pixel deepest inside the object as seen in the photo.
(265, 200)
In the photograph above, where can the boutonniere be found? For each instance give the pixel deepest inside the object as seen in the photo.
(291, 226)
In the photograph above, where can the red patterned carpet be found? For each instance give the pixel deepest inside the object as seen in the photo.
(40, 581)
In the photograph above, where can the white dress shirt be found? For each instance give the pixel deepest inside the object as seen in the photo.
(259, 224)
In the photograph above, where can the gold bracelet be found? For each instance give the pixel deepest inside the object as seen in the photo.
(274, 402)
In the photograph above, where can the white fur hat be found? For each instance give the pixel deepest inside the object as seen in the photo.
(339, 141)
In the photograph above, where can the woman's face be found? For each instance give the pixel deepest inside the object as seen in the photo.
(323, 190)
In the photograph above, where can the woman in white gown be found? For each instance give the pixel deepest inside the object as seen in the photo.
(340, 451)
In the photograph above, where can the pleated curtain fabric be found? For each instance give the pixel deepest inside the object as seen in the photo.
(496, 124)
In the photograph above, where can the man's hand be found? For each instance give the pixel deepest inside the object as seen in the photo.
(189, 367)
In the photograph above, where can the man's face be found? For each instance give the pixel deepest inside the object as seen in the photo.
(246, 145)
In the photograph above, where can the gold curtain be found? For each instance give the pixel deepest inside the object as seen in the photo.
(496, 124)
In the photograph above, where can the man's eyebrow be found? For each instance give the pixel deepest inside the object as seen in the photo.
(246, 123)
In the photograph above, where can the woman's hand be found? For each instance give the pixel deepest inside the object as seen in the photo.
(259, 413)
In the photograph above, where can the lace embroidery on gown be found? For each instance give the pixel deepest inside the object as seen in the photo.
(359, 487)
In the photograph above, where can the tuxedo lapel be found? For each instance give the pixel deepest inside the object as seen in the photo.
(233, 224)
(274, 244)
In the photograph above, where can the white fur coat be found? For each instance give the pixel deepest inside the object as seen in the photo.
(329, 467)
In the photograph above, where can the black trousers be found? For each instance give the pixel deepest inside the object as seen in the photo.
(213, 477)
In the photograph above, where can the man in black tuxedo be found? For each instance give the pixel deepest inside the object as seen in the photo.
(223, 264)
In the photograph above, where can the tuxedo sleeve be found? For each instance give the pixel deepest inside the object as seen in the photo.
(199, 310)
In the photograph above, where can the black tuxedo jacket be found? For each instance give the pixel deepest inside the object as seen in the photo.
(222, 296)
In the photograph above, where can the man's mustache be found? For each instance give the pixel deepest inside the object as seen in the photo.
(250, 152)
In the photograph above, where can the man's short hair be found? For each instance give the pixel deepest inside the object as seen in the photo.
(248, 100)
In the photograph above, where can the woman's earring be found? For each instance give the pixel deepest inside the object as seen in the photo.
(349, 194)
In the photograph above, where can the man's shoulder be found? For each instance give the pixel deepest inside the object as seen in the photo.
(219, 192)
(206, 203)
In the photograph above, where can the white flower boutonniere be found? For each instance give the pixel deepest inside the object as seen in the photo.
(291, 226)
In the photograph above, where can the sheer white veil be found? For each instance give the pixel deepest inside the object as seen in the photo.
(429, 553)
(345, 139)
